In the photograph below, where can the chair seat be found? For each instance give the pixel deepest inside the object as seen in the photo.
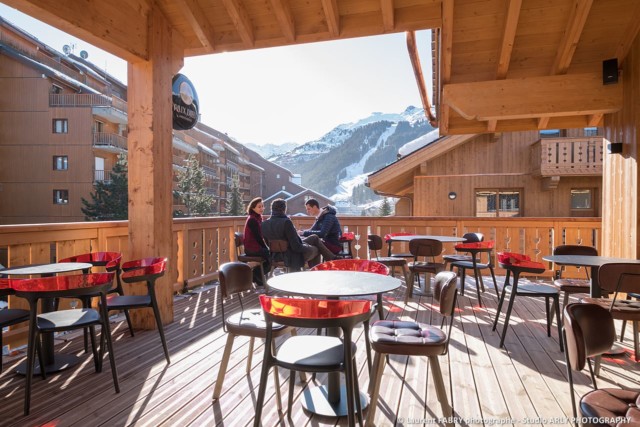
(402, 255)
(67, 319)
(128, 301)
(536, 290)
(11, 316)
(313, 353)
(469, 264)
(573, 285)
(251, 323)
(623, 309)
(426, 266)
(454, 258)
(410, 338)
(249, 258)
(611, 403)
(391, 261)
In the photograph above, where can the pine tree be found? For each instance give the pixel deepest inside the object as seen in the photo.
(110, 200)
(191, 189)
(234, 199)
(385, 208)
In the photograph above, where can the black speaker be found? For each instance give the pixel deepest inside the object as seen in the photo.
(610, 71)
(616, 147)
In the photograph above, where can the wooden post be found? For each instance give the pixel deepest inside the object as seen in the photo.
(150, 159)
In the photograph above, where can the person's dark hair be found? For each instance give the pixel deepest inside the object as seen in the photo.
(313, 203)
(253, 204)
(278, 206)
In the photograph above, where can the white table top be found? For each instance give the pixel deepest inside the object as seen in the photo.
(46, 269)
(333, 284)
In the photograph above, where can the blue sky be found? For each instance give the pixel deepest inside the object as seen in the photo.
(285, 94)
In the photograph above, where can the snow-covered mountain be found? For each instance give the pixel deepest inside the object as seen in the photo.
(271, 150)
(337, 164)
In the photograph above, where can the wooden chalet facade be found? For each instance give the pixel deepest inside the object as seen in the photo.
(511, 174)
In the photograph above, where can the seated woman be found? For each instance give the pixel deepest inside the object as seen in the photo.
(254, 244)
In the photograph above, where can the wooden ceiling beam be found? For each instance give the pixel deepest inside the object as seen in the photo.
(388, 18)
(446, 51)
(571, 36)
(332, 15)
(508, 38)
(241, 21)
(595, 119)
(282, 11)
(118, 28)
(197, 19)
(547, 96)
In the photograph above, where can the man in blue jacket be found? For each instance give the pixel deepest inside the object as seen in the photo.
(327, 227)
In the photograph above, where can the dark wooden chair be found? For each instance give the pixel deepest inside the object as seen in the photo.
(468, 238)
(9, 316)
(616, 278)
(278, 248)
(235, 280)
(375, 245)
(416, 339)
(589, 332)
(424, 252)
(476, 263)
(573, 286)
(253, 261)
(146, 270)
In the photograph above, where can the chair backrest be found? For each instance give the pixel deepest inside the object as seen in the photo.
(315, 313)
(429, 248)
(235, 277)
(110, 260)
(277, 245)
(374, 243)
(238, 239)
(619, 277)
(363, 265)
(575, 250)
(144, 269)
(446, 291)
(76, 285)
(473, 237)
(589, 332)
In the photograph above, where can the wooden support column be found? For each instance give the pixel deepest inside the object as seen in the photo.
(150, 159)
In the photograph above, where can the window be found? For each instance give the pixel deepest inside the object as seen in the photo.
(60, 163)
(581, 198)
(56, 89)
(98, 126)
(60, 126)
(591, 131)
(498, 203)
(60, 197)
(550, 133)
(277, 176)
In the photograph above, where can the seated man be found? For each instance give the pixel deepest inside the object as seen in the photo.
(326, 227)
(280, 227)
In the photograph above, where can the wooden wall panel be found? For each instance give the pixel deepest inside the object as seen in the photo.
(620, 171)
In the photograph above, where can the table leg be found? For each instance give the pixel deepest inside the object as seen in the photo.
(330, 400)
(596, 292)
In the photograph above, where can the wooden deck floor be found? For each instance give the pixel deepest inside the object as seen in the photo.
(522, 384)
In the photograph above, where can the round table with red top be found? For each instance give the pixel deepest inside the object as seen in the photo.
(328, 400)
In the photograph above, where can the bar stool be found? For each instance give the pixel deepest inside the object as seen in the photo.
(517, 264)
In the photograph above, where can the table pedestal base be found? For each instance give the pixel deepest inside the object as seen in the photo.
(61, 362)
(315, 400)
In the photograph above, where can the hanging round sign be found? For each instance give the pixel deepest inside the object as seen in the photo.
(185, 103)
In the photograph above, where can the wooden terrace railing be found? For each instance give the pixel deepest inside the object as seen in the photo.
(202, 244)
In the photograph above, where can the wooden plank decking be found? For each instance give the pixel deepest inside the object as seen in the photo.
(523, 384)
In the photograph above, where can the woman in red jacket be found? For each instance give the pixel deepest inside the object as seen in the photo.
(254, 244)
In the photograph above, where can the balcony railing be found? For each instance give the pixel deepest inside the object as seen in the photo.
(108, 139)
(202, 244)
(86, 100)
(568, 156)
(102, 175)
